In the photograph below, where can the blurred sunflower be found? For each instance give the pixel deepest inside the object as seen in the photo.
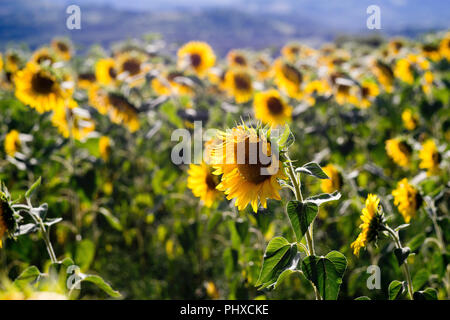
(395, 46)
(399, 151)
(366, 94)
(250, 171)
(270, 108)
(86, 80)
(407, 199)
(334, 183)
(291, 52)
(431, 51)
(403, 71)
(197, 56)
(132, 67)
(43, 55)
(262, 68)
(1, 61)
(7, 220)
(42, 90)
(384, 74)
(444, 47)
(315, 88)
(203, 183)
(106, 71)
(427, 82)
(237, 59)
(373, 220)
(410, 120)
(63, 48)
(430, 157)
(238, 84)
(104, 146)
(12, 62)
(288, 78)
(12, 142)
(73, 121)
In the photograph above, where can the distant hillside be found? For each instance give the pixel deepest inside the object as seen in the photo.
(233, 24)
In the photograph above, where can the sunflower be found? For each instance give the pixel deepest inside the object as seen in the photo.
(43, 55)
(429, 157)
(73, 121)
(384, 74)
(63, 48)
(270, 108)
(395, 46)
(237, 59)
(41, 90)
(431, 51)
(12, 142)
(86, 80)
(197, 56)
(116, 106)
(366, 94)
(410, 120)
(104, 146)
(12, 62)
(291, 52)
(7, 221)
(288, 78)
(407, 199)
(315, 88)
(334, 182)
(444, 47)
(343, 94)
(262, 68)
(238, 84)
(174, 83)
(399, 151)
(132, 67)
(203, 183)
(106, 71)
(373, 220)
(248, 167)
(427, 82)
(403, 70)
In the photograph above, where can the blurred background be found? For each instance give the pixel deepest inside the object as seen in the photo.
(225, 24)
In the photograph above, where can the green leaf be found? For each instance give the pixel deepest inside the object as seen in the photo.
(420, 279)
(285, 274)
(427, 294)
(313, 169)
(91, 145)
(339, 261)
(29, 275)
(401, 254)
(112, 220)
(99, 282)
(85, 253)
(286, 139)
(396, 288)
(324, 197)
(301, 216)
(32, 189)
(279, 256)
(416, 242)
(322, 272)
(363, 298)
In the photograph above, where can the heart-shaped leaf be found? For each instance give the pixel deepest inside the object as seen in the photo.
(427, 294)
(401, 254)
(301, 216)
(396, 288)
(313, 169)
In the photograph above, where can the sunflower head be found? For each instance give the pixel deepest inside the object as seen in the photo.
(262, 68)
(203, 183)
(249, 169)
(104, 146)
(43, 55)
(12, 143)
(7, 220)
(271, 108)
(334, 182)
(237, 59)
(384, 74)
(13, 62)
(196, 56)
(132, 67)
(407, 199)
(106, 71)
(73, 121)
(410, 119)
(63, 48)
(238, 84)
(430, 157)
(288, 78)
(399, 151)
(291, 51)
(86, 80)
(444, 47)
(372, 223)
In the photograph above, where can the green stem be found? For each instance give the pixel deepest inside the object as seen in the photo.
(398, 244)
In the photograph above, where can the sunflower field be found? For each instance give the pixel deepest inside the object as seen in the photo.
(150, 170)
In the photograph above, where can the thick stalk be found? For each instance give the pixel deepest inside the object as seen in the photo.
(398, 244)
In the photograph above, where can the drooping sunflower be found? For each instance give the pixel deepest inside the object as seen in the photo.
(132, 67)
(238, 84)
(372, 222)
(335, 181)
(73, 121)
(384, 74)
(271, 108)
(106, 71)
(410, 119)
(203, 183)
(116, 106)
(407, 199)
(7, 220)
(430, 157)
(196, 56)
(288, 78)
(237, 59)
(249, 169)
(399, 151)
(42, 90)
(63, 48)
(104, 146)
(12, 143)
